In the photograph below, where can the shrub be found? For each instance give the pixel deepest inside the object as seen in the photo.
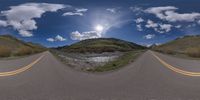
(23, 51)
(166, 51)
(193, 51)
(5, 51)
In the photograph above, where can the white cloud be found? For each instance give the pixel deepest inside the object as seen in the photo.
(25, 33)
(137, 10)
(139, 20)
(158, 27)
(57, 38)
(72, 14)
(77, 12)
(22, 17)
(76, 35)
(3, 23)
(112, 10)
(149, 36)
(151, 24)
(50, 39)
(139, 27)
(81, 10)
(178, 26)
(168, 13)
(165, 27)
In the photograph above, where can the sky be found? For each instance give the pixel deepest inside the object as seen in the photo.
(54, 23)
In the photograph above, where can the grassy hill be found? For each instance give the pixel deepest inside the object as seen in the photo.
(101, 45)
(189, 45)
(11, 46)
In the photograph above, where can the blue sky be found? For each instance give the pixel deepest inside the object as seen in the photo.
(55, 23)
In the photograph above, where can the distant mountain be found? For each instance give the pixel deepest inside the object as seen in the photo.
(11, 46)
(99, 45)
(180, 45)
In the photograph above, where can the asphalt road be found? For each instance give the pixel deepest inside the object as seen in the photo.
(152, 76)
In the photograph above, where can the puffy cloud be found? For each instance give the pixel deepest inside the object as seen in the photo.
(168, 13)
(165, 27)
(77, 12)
(151, 24)
(25, 33)
(139, 20)
(139, 27)
(57, 38)
(85, 35)
(159, 27)
(158, 11)
(22, 17)
(149, 36)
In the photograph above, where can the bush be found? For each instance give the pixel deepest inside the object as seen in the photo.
(23, 51)
(193, 51)
(5, 51)
(166, 51)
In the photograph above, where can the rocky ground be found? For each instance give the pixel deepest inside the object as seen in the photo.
(84, 61)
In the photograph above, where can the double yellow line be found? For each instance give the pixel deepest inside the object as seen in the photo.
(183, 72)
(10, 73)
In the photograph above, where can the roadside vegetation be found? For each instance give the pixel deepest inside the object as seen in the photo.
(188, 46)
(84, 53)
(5, 51)
(193, 52)
(11, 47)
(23, 51)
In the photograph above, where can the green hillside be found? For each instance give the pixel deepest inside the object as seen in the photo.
(186, 45)
(101, 45)
(11, 46)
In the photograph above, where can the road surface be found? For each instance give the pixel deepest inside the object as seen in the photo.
(152, 76)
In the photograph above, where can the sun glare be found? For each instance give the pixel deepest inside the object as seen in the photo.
(99, 28)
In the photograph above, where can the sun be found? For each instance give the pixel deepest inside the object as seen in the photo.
(99, 28)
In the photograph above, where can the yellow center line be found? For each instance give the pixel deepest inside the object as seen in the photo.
(21, 69)
(183, 72)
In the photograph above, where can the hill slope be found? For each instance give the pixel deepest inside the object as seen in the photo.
(185, 45)
(10, 46)
(101, 45)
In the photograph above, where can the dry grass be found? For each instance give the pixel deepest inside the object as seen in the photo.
(5, 51)
(23, 51)
(166, 50)
(193, 51)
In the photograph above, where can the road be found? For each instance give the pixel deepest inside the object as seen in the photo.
(151, 77)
